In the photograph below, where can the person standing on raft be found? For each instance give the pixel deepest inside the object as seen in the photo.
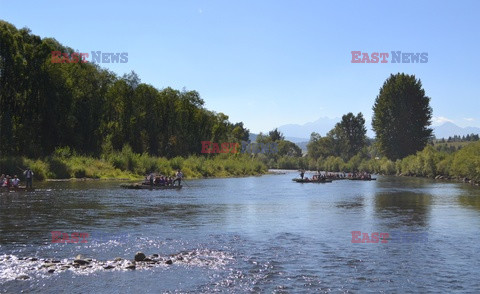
(29, 177)
(179, 177)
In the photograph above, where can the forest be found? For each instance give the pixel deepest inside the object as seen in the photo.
(58, 117)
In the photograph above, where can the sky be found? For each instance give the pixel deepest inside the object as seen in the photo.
(270, 63)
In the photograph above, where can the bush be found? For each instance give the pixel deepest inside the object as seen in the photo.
(466, 162)
(57, 169)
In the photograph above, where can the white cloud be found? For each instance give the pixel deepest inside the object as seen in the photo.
(469, 119)
(438, 120)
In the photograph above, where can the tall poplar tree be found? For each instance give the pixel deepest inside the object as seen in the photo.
(402, 116)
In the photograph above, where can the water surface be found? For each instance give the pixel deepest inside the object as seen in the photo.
(252, 234)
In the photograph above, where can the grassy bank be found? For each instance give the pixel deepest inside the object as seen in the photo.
(461, 164)
(64, 164)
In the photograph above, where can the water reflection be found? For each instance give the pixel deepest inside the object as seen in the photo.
(470, 201)
(410, 209)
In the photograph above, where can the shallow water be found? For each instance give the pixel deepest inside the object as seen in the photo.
(255, 234)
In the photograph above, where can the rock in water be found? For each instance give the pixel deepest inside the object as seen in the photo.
(131, 266)
(169, 261)
(140, 256)
(81, 261)
(23, 277)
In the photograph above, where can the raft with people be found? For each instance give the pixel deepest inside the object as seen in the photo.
(9, 184)
(307, 180)
(327, 177)
(314, 179)
(138, 186)
(155, 181)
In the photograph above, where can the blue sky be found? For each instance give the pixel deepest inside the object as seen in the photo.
(269, 63)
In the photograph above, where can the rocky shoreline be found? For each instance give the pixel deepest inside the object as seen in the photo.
(25, 268)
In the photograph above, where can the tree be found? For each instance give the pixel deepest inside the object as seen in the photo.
(287, 148)
(320, 147)
(401, 116)
(240, 133)
(276, 135)
(353, 134)
(346, 139)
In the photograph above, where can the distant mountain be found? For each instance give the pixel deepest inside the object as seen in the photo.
(296, 140)
(302, 132)
(449, 129)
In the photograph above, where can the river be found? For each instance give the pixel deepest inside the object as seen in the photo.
(253, 234)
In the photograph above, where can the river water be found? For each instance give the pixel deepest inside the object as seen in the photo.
(254, 234)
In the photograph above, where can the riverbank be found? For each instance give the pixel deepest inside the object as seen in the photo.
(462, 165)
(126, 165)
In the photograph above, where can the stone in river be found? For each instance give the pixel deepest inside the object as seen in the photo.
(23, 277)
(155, 255)
(81, 261)
(108, 266)
(131, 266)
(140, 256)
(47, 265)
(169, 261)
(51, 271)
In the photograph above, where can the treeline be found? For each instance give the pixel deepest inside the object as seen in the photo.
(45, 105)
(346, 142)
(457, 138)
(462, 164)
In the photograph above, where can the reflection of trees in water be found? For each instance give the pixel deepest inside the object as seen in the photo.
(469, 201)
(356, 203)
(409, 208)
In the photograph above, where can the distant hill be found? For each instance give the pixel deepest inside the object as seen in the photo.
(253, 138)
(449, 129)
(302, 132)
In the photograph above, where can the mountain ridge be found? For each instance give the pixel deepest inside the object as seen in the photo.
(300, 133)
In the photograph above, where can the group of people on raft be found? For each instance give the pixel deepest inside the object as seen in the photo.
(6, 181)
(161, 180)
(337, 175)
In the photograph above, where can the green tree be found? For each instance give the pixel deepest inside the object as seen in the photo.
(345, 140)
(287, 148)
(353, 134)
(276, 135)
(401, 116)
